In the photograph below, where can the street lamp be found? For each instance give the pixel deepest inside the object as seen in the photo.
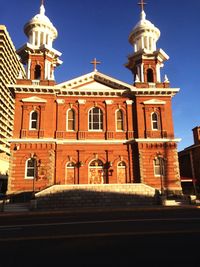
(35, 163)
(161, 163)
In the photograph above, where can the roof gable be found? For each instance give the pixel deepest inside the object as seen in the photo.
(94, 81)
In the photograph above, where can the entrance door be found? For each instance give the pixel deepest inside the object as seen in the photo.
(70, 173)
(121, 172)
(96, 172)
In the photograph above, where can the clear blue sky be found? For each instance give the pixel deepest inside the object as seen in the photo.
(100, 28)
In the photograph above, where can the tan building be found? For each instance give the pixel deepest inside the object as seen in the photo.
(10, 69)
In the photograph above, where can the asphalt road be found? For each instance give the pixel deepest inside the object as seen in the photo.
(111, 238)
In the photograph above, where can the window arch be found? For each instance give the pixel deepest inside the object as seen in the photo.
(159, 166)
(70, 120)
(33, 120)
(70, 173)
(96, 172)
(150, 78)
(30, 171)
(119, 120)
(95, 119)
(121, 172)
(37, 72)
(155, 121)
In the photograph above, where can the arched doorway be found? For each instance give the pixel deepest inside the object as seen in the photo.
(96, 172)
(121, 172)
(70, 173)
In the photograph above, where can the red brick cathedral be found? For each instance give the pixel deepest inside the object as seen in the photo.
(93, 129)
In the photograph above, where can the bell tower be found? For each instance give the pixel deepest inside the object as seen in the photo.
(38, 54)
(154, 132)
(146, 61)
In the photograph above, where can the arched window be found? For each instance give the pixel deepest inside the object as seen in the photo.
(30, 168)
(95, 119)
(154, 121)
(70, 120)
(159, 167)
(70, 173)
(150, 78)
(121, 172)
(33, 120)
(37, 72)
(119, 120)
(96, 172)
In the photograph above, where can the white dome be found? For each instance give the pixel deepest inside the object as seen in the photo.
(144, 29)
(42, 22)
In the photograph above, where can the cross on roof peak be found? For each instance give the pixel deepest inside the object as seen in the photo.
(95, 62)
(142, 4)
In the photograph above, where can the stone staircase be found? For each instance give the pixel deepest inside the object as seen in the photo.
(91, 196)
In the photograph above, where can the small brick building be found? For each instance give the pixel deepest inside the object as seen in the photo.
(93, 129)
(189, 162)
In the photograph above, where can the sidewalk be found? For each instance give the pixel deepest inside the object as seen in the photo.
(22, 209)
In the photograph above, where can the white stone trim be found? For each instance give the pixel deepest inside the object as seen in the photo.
(81, 101)
(71, 141)
(34, 99)
(160, 140)
(129, 102)
(154, 102)
(91, 141)
(60, 101)
(109, 102)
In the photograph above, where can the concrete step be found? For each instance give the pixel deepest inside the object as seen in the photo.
(16, 207)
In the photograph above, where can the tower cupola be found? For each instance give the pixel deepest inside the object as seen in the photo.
(146, 60)
(144, 35)
(38, 54)
(40, 29)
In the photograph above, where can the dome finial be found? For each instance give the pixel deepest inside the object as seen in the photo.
(42, 9)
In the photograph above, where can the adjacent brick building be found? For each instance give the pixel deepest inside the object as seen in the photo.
(189, 161)
(93, 129)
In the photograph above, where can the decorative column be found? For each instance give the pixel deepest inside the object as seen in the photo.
(158, 78)
(82, 168)
(25, 121)
(59, 118)
(29, 69)
(142, 72)
(110, 123)
(81, 119)
(42, 120)
(33, 39)
(129, 112)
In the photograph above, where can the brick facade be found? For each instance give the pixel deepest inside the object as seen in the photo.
(92, 129)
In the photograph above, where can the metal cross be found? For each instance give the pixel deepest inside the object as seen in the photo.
(42, 2)
(142, 4)
(95, 62)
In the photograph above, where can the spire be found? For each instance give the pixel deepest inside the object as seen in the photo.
(42, 9)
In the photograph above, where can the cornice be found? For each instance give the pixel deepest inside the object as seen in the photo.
(157, 140)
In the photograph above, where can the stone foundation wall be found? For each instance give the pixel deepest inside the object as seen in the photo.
(107, 195)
